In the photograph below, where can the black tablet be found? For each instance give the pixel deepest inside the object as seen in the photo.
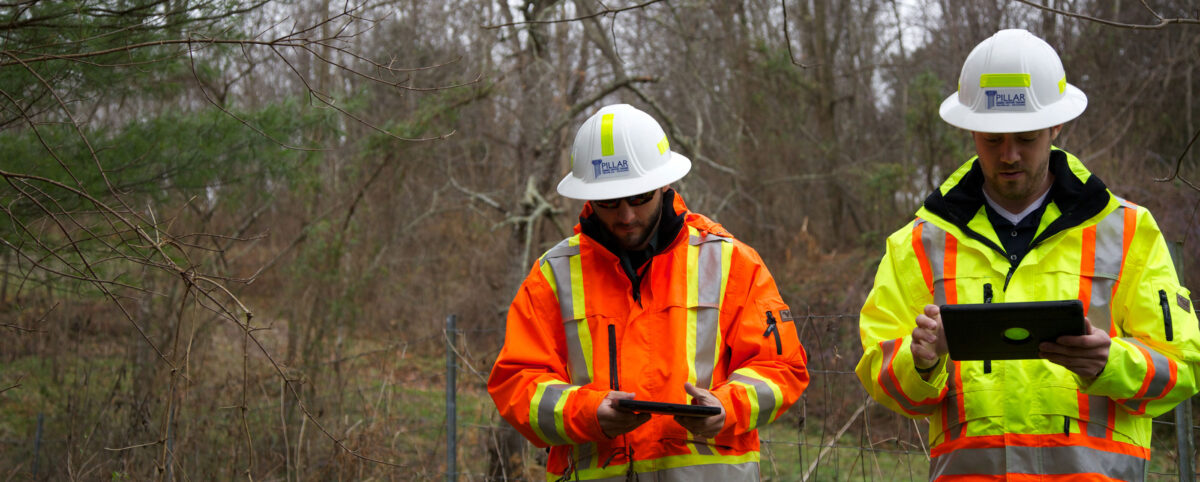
(1008, 331)
(669, 408)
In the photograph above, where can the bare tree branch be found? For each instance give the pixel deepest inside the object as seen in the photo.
(787, 36)
(606, 11)
(1162, 22)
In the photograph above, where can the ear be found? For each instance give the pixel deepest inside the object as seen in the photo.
(1054, 131)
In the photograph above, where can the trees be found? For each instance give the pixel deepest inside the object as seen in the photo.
(164, 160)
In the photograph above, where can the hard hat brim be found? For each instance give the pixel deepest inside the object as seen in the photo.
(962, 116)
(674, 170)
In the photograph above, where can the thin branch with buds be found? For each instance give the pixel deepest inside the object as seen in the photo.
(606, 11)
(1162, 21)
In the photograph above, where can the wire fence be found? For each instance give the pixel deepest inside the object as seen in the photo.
(836, 432)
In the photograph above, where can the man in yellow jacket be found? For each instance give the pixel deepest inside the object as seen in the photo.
(646, 301)
(1026, 221)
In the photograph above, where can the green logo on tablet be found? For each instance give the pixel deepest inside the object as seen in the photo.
(1016, 333)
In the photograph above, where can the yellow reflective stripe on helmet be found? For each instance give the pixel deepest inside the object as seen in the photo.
(1062, 84)
(546, 411)
(1004, 80)
(606, 140)
(663, 145)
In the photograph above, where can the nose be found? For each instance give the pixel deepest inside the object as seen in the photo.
(1009, 150)
(625, 213)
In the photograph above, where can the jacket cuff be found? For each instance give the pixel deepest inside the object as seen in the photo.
(911, 381)
(586, 403)
(724, 394)
(1113, 379)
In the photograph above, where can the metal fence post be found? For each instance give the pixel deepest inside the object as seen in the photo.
(451, 408)
(1184, 443)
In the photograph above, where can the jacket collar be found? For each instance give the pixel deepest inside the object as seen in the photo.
(1078, 193)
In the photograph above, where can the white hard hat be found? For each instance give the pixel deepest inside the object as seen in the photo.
(1012, 82)
(620, 151)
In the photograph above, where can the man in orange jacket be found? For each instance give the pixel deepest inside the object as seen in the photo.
(647, 301)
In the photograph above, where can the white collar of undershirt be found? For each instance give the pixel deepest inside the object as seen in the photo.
(1012, 217)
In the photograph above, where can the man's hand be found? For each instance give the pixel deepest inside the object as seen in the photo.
(616, 421)
(706, 427)
(928, 338)
(1085, 355)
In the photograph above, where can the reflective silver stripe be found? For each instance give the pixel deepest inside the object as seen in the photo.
(1097, 425)
(546, 415)
(708, 311)
(559, 258)
(766, 398)
(1037, 460)
(933, 239)
(707, 320)
(1158, 384)
(1109, 250)
(953, 426)
(710, 270)
(893, 391)
(585, 455)
(747, 471)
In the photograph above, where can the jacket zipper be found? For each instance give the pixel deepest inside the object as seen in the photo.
(772, 328)
(987, 298)
(614, 378)
(1166, 307)
(1012, 268)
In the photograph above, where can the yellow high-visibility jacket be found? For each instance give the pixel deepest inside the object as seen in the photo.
(1033, 419)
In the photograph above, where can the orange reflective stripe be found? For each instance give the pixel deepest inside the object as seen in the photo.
(891, 384)
(973, 478)
(1130, 227)
(1161, 373)
(951, 265)
(1145, 382)
(1041, 440)
(919, 250)
(1087, 267)
(935, 251)
(1038, 456)
(1130, 223)
(1074, 477)
(1097, 415)
(958, 404)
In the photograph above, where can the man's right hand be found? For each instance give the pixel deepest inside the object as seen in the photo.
(616, 421)
(928, 338)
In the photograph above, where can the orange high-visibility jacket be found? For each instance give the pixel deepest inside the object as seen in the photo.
(1033, 419)
(709, 313)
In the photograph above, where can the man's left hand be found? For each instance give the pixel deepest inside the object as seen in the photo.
(706, 427)
(1085, 355)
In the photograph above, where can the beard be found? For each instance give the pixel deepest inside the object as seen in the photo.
(639, 232)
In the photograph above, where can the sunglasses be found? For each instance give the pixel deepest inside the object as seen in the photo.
(636, 200)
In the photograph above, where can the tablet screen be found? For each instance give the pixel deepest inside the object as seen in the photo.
(1008, 331)
(669, 408)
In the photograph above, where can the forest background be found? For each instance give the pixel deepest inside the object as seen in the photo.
(232, 231)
